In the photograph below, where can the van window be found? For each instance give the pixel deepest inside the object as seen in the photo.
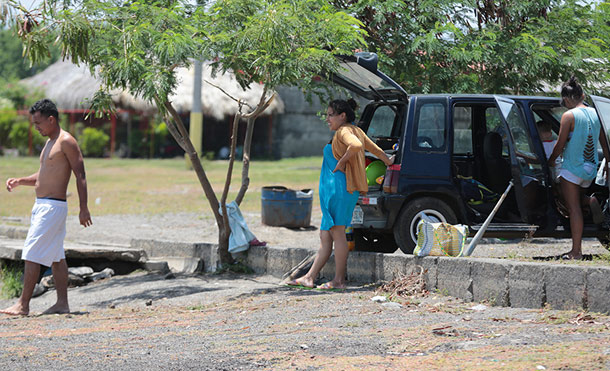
(493, 122)
(430, 127)
(462, 130)
(382, 122)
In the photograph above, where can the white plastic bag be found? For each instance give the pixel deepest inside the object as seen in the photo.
(240, 237)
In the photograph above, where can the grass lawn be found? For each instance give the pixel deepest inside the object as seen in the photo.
(130, 186)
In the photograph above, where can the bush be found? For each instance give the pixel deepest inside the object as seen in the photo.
(18, 138)
(93, 142)
(10, 274)
(8, 116)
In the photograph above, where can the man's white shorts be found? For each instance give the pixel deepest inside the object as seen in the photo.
(45, 241)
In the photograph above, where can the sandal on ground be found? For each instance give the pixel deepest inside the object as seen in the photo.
(329, 286)
(297, 284)
(569, 257)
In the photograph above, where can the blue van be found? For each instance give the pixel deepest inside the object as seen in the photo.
(449, 149)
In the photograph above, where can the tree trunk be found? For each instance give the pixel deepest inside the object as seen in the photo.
(181, 136)
(223, 246)
(177, 129)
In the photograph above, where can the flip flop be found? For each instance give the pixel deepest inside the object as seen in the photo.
(297, 285)
(327, 286)
(568, 257)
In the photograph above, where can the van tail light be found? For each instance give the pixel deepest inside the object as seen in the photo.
(390, 181)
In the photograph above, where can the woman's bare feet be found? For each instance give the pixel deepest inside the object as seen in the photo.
(16, 310)
(57, 309)
(303, 281)
(330, 285)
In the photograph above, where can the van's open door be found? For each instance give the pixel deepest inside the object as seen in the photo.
(527, 169)
(358, 73)
(602, 106)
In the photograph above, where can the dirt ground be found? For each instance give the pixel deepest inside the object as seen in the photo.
(212, 322)
(232, 322)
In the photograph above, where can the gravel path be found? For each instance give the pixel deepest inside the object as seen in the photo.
(143, 321)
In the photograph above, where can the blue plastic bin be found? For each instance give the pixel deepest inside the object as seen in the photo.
(283, 207)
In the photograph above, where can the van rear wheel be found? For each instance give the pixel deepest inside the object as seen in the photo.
(405, 228)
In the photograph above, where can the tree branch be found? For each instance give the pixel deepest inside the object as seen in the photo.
(196, 162)
(240, 102)
(225, 192)
(251, 117)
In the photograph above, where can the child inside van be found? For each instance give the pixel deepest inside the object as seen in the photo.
(545, 130)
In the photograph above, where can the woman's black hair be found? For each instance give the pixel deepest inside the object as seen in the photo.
(340, 106)
(571, 89)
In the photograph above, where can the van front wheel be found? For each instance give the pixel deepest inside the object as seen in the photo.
(405, 228)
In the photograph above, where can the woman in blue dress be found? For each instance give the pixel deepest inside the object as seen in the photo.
(579, 134)
(342, 180)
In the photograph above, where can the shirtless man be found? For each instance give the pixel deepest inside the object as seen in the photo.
(44, 244)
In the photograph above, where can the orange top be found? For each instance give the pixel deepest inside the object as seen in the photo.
(351, 138)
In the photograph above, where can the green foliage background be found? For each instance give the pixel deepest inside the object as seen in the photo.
(93, 142)
(474, 46)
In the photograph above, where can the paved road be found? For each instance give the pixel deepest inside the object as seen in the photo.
(223, 322)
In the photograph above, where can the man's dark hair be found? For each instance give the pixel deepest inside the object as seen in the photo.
(46, 108)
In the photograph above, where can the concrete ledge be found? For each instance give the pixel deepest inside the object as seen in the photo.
(566, 287)
(156, 266)
(388, 267)
(10, 253)
(207, 252)
(430, 267)
(598, 289)
(18, 233)
(278, 261)
(156, 248)
(454, 277)
(495, 281)
(490, 281)
(361, 266)
(526, 285)
(256, 258)
(11, 249)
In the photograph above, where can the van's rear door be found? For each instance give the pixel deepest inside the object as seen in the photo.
(602, 105)
(359, 74)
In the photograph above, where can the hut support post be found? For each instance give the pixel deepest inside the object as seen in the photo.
(196, 119)
(72, 120)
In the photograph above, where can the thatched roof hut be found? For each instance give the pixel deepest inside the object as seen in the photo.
(69, 85)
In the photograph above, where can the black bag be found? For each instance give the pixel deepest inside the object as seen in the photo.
(475, 192)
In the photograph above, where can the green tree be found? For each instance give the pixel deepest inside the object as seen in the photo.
(487, 46)
(138, 45)
(13, 65)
